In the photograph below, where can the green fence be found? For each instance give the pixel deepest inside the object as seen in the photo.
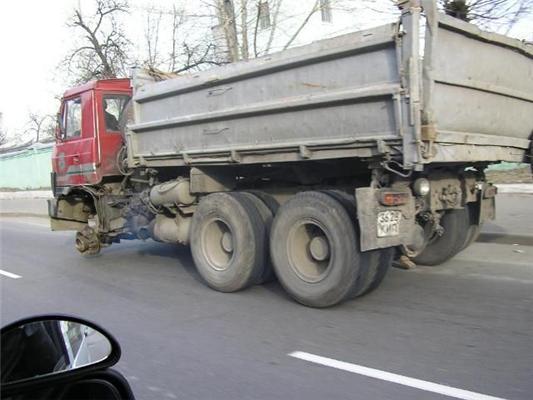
(506, 166)
(27, 169)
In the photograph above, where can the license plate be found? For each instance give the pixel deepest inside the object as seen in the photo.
(389, 223)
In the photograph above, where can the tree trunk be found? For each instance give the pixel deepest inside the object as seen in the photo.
(244, 30)
(226, 12)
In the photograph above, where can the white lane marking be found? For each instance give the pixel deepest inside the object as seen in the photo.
(9, 274)
(395, 378)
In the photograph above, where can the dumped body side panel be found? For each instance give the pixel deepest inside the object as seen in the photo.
(339, 91)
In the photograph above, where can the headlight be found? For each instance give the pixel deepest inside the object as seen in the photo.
(421, 186)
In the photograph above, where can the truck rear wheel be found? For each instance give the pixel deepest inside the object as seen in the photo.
(374, 263)
(474, 229)
(312, 245)
(439, 249)
(381, 263)
(472, 235)
(267, 199)
(228, 241)
(267, 207)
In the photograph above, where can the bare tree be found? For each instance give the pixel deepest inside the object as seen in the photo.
(245, 50)
(227, 20)
(239, 24)
(503, 14)
(172, 42)
(3, 137)
(171, 45)
(316, 7)
(228, 17)
(273, 30)
(40, 126)
(151, 36)
(102, 52)
(3, 133)
(177, 21)
(228, 12)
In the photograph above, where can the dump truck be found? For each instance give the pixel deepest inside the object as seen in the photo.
(318, 165)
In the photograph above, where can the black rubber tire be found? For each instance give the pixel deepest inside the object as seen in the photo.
(474, 229)
(384, 262)
(243, 265)
(266, 198)
(472, 236)
(374, 263)
(267, 216)
(341, 269)
(441, 249)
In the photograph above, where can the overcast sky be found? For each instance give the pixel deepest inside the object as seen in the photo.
(34, 39)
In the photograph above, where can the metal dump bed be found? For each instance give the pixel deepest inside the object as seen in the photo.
(365, 94)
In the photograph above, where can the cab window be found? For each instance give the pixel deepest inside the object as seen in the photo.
(72, 118)
(113, 107)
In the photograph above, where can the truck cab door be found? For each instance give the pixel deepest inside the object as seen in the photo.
(75, 154)
(111, 108)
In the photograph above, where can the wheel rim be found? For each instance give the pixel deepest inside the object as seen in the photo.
(309, 251)
(217, 244)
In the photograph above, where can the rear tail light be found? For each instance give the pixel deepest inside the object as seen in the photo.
(393, 198)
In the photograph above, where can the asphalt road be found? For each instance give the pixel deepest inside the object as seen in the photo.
(467, 324)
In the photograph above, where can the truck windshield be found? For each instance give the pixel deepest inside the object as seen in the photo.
(114, 106)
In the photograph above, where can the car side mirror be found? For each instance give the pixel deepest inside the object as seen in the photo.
(50, 348)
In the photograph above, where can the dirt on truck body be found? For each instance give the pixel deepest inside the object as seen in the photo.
(317, 165)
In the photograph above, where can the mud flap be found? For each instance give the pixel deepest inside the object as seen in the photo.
(487, 209)
(65, 216)
(384, 226)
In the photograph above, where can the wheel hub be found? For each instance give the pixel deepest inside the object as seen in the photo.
(87, 242)
(309, 250)
(217, 244)
(319, 248)
(227, 242)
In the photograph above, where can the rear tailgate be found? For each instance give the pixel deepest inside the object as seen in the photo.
(478, 90)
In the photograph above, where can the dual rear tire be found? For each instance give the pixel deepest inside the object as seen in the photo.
(315, 250)
(458, 233)
(228, 241)
(313, 246)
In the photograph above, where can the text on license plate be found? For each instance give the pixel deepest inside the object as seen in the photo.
(389, 223)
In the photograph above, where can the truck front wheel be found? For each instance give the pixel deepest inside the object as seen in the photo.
(88, 242)
(228, 241)
(312, 246)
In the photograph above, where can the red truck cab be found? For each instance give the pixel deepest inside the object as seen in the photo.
(89, 134)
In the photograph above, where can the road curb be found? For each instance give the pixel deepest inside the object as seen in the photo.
(515, 188)
(22, 214)
(26, 194)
